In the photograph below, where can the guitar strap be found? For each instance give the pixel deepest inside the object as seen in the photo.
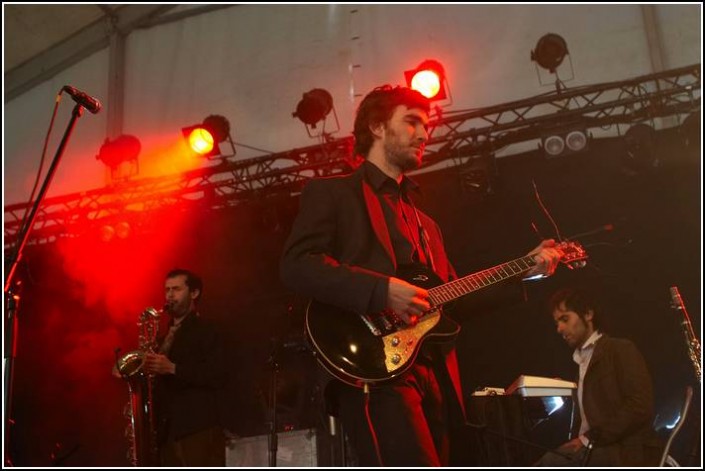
(455, 408)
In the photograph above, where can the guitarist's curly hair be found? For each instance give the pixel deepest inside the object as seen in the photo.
(378, 107)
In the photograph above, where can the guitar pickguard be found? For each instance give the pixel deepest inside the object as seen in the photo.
(400, 346)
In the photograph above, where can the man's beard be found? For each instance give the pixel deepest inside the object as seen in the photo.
(179, 309)
(401, 156)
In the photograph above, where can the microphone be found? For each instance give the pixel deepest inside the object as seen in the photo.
(83, 99)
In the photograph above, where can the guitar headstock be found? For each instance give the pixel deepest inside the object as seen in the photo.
(573, 254)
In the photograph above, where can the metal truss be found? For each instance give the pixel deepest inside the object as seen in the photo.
(486, 130)
(453, 135)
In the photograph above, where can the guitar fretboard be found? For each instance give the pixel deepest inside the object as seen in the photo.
(455, 289)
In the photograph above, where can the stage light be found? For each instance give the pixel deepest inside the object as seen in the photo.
(576, 140)
(564, 141)
(106, 233)
(550, 51)
(123, 230)
(477, 176)
(553, 146)
(314, 107)
(112, 231)
(124, 148)
(205, 138)
(640, 155)
(639, 138)
(690, 130)
(200, 141)
(429, 79)
(120, 156)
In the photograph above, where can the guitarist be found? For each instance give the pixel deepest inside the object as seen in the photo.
(350, 236)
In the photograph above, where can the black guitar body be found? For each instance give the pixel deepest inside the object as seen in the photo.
(368, 348)
(373, 348)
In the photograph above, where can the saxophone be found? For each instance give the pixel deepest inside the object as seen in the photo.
(691, 339)
(141, 430)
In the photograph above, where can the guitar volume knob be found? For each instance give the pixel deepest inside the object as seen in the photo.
(395, 341)
(396, 358)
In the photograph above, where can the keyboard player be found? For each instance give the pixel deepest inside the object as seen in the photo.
(614, 396)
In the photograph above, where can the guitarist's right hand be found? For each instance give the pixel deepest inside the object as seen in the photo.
(406, 300)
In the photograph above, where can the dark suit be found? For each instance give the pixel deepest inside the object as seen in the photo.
(187, 402)
(340, 253)
(618, 402)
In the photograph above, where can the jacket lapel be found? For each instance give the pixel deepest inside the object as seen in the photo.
(374, 209)
(597, 355)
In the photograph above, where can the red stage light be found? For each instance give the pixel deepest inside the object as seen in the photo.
(204, 138)
(200, 140)
(429, 79)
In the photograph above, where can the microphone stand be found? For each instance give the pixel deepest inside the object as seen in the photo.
(273, 437)
(11, 325)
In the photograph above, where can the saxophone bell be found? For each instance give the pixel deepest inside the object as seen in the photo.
(131, 362)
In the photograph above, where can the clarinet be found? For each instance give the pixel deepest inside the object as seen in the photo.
(691, 339)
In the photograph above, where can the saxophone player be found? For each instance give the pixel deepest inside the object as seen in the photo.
(189, 372)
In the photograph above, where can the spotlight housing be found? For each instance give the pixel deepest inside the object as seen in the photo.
(550, 51)
(429, 79)
(314, 107)
(205, 138)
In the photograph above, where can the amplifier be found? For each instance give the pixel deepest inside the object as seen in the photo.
(296, 449)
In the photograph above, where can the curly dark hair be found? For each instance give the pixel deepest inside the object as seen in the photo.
(579, 300)
(378, 107)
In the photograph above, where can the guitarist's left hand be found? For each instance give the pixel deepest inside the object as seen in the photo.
(547, 257)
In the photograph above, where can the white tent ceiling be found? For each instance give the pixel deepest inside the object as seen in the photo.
(42, 40)
(32, 29)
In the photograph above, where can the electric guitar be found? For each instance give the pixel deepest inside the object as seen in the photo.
(372, 348)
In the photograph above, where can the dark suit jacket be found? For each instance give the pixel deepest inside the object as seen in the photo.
(618, 400)
(187, 401)
(339, 251)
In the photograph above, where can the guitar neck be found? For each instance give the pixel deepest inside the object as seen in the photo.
(468, 284)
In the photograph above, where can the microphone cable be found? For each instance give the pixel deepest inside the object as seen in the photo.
(41, 163)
